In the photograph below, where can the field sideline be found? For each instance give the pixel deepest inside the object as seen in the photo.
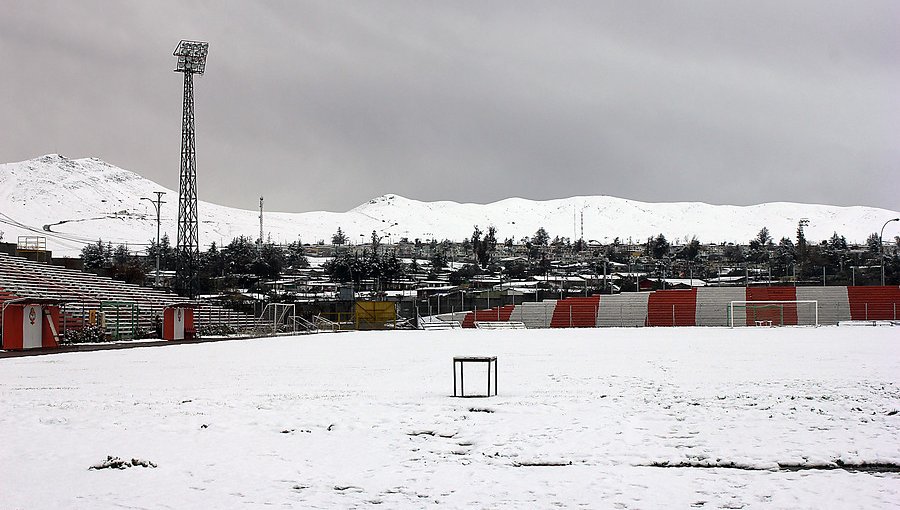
(591, 418)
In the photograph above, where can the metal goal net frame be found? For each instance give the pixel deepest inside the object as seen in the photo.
(279, 318)
(769, 306)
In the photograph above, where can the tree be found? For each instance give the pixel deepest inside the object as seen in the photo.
(763, 237)
(873, 243)
(760, 246)
(464, 274)
(376, 241)
(239, 255)
(733, 253)
(270, 261)
(438, 262)
(837, 243)
(658, 246)
(96, 256)
(515, 269)
(476, 243)
(126, 267)
(487, 246)
(541, 237)
(691, 250)
(338, 238)
(295, 255)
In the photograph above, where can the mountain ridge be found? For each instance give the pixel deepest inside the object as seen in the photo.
(74, 201)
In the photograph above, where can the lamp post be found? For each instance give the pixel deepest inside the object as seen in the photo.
(881, 244)
(156, 205)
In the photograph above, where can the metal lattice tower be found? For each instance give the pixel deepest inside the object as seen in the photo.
(191, 60)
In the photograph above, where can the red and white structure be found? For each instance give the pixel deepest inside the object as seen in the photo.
(178, 322)
(704, 306)
(30, 323)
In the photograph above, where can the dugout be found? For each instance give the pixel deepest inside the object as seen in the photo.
(178, 322)
(30, 323)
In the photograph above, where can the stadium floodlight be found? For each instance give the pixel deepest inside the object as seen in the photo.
(191, 56)
(191, 60)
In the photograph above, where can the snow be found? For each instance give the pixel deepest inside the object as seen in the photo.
(80, 200)
(359, 419)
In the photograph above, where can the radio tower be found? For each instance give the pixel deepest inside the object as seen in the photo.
(191, 60)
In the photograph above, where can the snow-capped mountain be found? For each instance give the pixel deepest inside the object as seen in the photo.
(76, 201)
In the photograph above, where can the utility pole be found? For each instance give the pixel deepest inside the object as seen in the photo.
(259, 245)
(881, 244)
(158, 206)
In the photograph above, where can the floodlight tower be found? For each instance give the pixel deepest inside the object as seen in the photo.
(191, 60)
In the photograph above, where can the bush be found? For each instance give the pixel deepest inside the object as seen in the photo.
(85, 335)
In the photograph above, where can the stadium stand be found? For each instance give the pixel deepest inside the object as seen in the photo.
(576, 312)
(672, 308)
(873, 303)
(833, 304)
(623, 310)
(534, 315)
(786, 315)
(84, 293)
(712, 305)
(496, 314)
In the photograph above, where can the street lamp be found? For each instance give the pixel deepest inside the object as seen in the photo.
(156, 205)
(881, 243)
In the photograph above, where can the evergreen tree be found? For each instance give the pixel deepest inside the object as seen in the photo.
(96, 256)
(339, 238)
(295, 255)
(540, 238)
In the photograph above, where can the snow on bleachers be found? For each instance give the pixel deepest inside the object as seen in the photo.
(85, 291)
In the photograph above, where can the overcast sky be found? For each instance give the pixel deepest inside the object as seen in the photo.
(325, 105)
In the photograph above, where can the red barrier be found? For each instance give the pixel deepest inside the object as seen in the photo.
(873, 303)
(785, 314)
(672, 308)
(496, 314)
(576, 312)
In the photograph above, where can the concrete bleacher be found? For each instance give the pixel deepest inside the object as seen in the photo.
(496, 314)
(534, 315)
(712, 306)
(623, 310)
(874, 303)
(672, 308)
(576, 312)
(84, 293)
(833, 305)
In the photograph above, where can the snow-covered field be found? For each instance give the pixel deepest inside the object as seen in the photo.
(360, 419)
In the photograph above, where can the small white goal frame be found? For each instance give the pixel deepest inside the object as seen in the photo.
(280, 314)
(745, 304)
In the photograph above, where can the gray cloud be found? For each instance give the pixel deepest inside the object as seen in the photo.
(324, 105)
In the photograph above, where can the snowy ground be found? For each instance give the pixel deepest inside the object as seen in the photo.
(360, 419)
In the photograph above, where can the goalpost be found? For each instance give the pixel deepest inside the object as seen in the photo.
(804, 312)
(279, 317)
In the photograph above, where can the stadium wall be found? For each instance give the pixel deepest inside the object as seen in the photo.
(701, 307)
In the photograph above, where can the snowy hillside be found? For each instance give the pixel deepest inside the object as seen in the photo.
(74, 201)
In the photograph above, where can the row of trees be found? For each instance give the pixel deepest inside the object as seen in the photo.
(244, 261)
(240, 262)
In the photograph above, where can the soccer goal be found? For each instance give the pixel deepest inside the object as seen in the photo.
(773, 313)
(277, 318)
